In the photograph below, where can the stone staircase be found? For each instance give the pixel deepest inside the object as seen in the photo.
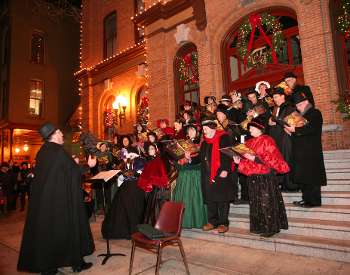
(322, 232)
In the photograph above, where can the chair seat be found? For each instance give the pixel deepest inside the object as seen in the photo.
(141, 238)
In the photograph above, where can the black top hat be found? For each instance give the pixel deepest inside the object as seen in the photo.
(278, 91)
(289, 74)
(222, 109)
(47, 129)
(298, 97)
(257, 122)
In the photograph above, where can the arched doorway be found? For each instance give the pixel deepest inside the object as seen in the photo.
(186, 76)
(341, 49)
(239, 77)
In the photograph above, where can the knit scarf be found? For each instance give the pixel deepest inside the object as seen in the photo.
(215, 153)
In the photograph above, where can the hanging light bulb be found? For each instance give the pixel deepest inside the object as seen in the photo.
(25, 148)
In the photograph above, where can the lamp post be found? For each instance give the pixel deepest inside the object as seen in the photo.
(119, 106)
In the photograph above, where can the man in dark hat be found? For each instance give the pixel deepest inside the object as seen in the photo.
(57, 231)
(282, 139)
(309, 170)
(216, 180)
(291, 79)
(234, 131)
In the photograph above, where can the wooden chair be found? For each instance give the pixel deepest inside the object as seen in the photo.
(169, 221)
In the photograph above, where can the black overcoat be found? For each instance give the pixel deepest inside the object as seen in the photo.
(307, 151)
(222, 189)
(57, 231)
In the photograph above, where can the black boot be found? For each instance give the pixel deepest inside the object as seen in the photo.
(84, 266)
(50, 272)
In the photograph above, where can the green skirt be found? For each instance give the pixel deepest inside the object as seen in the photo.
(188, 191)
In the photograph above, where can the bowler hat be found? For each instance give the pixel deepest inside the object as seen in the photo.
(257, 122)
(222, 109)
(225, 98)
(47, 129)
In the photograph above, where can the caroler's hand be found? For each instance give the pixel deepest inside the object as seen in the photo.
(236, 159)
(91, 161)
(223, 174)
(249, 156)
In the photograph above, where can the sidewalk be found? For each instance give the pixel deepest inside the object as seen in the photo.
(204, 257)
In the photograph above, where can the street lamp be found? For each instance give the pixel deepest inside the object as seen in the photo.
(119, 105)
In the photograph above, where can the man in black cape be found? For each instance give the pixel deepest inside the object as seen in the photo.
(309, 169)
(57, 231)
(282, 139)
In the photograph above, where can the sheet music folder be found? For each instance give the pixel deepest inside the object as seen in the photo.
(105, 175)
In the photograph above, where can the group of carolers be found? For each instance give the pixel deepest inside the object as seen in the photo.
(285, 158)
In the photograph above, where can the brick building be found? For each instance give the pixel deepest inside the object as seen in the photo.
(39, 54)
(131, 49)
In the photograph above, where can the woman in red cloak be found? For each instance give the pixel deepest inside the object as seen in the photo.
(267, 211)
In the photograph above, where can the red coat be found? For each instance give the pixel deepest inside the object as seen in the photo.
(267, 157)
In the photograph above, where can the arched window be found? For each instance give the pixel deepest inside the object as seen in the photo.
(37, 48)
(186, 76)
(341, 48)
(238, 76)
(110, 35)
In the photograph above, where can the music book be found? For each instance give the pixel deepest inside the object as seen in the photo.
(295, 119)
(177, 148)
(237, 150)
(105, 175)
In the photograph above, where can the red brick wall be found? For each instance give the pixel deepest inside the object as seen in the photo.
(94, 12)
(316, 44)
(317, 51)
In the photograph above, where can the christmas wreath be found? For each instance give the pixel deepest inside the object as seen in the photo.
(343, 21)
(188, 67)
(266, 24)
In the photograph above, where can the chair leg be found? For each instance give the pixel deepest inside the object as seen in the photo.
(159, 258)
(132, 257)
(183, 256)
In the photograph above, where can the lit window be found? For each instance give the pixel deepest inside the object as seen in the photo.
(36, 97)
(37, 49)
(110, 35)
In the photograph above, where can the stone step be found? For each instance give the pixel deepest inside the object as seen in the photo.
(338, 170)
(325, 212)
(331, 249)
(343, 156)
(337, 160)
(339, 230)
(337, 164)
(336, 175)
(338, 186)
(336, 151)
(328, 197)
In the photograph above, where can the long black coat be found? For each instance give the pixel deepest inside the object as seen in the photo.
(307, 151)
(222, 189)
(57, 231)
(283, 141)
